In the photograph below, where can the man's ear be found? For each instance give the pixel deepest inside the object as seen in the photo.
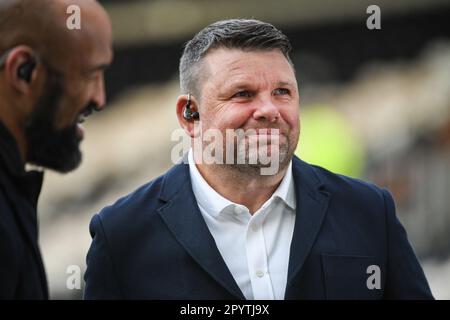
(20, 68)
(186, 124)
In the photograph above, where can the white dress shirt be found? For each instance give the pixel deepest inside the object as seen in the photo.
(254, 247)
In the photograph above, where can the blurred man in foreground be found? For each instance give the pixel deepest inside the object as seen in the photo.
(242, 218)
(51, 78)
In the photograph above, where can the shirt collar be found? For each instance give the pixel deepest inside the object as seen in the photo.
(214, 203)
(285, 190)
(207, 198)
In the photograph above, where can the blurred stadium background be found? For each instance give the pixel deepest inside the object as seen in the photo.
(375, 104)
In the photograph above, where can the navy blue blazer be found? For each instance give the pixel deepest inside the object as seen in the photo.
(154, 244)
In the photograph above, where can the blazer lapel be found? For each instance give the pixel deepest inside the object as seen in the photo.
(312, 203)
(182, 216)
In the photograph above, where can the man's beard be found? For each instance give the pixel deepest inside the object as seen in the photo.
(56, 149)
(257, 157)
(280, 154)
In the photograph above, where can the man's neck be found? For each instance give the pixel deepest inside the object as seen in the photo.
(17, 133)
(249, 189)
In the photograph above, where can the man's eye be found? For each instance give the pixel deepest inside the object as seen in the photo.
(281, 91)
(94, 75)
(90, 75)
(242, 94)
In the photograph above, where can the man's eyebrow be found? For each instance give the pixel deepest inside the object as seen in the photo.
(100, 67)
(241, 83)
(285, 84)
(104, 66)
(238, 85)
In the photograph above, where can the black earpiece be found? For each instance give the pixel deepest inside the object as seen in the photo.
(187, 113)
(25, 70)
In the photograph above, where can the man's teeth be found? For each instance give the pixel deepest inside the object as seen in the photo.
(83, 115)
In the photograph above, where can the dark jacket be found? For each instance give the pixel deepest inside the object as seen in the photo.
(22, 274)
(154, 244)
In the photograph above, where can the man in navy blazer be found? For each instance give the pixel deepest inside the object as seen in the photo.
(228, 228)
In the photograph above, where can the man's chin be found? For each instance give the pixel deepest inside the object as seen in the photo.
(59, 151)
(268, 166)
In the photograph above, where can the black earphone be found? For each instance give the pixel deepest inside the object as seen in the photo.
(187, 113)
(26, 70)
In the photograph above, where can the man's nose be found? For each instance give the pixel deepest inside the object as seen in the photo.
(266, 110)
(99, 94)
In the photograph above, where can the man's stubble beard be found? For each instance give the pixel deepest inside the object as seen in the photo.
(285, 153)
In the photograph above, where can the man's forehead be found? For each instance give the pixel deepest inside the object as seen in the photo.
(234, 59)
(224, 52)
(235, 65)
(92, 44)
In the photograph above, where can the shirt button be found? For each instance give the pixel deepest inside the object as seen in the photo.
(260, 274)
(255, 228)
(239, 210)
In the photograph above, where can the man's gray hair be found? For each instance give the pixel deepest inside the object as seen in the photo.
(244, 34)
